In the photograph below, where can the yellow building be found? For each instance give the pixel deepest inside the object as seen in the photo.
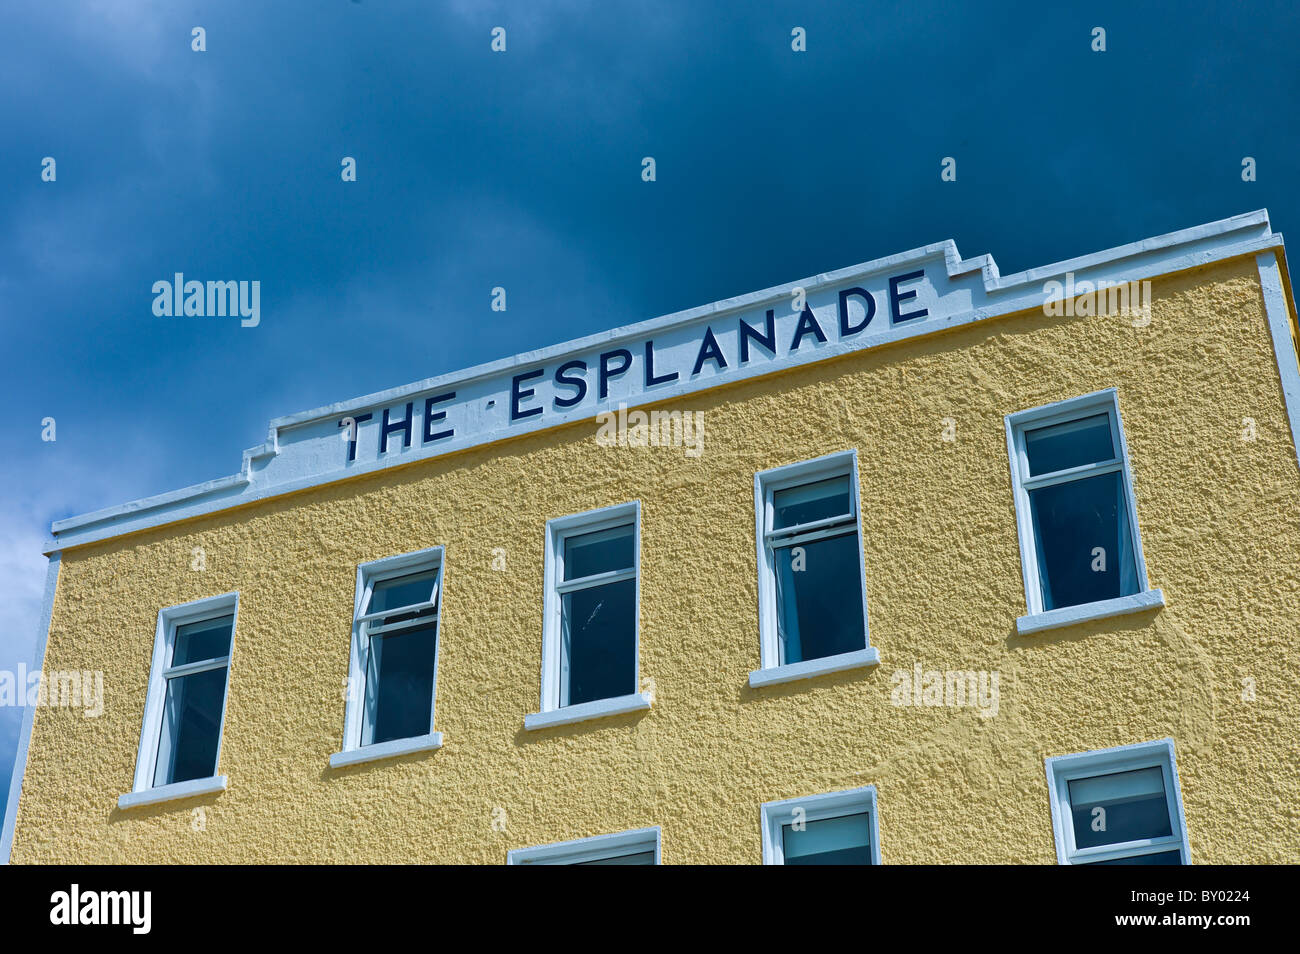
(909, 562)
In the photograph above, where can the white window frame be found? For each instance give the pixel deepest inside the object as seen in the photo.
(143, 790)
(1061, 769)
(557, 531)
(766, 483)
(854, 801)
(594, 848)
(1036, 618)
(368, 574)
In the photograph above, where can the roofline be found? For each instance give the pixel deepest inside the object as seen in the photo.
(956, 265)
(1198, 245)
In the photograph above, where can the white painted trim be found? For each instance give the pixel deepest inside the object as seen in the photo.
(590, 849)
(1284, 347)
(1249, 233)
(368, 574)
(173, 792)
(859, 659)
(585, 711)
(766, 483)
(169, 618)
(29, 714)
(774, 815)
(1086, 612)
(1062, 768)
(387, 750)
(557, 530)
(1036, 618)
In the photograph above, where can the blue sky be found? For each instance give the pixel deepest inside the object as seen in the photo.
(522, 170)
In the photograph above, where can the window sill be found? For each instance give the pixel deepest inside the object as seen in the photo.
(387, 750)
(1102, 609)
(775, 675)
(619, 705)
(170, 793)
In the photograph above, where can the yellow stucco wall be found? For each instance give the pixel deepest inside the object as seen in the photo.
(1218, 518)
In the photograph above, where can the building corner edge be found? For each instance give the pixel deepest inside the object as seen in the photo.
(29, 714)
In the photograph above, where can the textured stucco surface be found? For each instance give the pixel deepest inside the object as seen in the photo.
(1217, 515)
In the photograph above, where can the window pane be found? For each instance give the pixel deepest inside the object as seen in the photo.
(191, 727)
(832, 841)
(1072, 444)
(808, 502)
(819, 598)
(1158, 858)
(1123, 806)
(640, 858)
(196, 642)
(1085, 546)
(399, 685)
(587, 554)
(598, 643)
(401, 591)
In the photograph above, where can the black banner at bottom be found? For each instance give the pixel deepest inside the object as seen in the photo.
(334, 903)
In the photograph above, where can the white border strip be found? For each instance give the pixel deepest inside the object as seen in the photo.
(1284, 349)
(29, 716)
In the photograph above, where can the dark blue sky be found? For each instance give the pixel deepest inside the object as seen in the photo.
(522, 169)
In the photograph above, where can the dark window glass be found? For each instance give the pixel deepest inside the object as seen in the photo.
(810, 502)
(1072, 444)
(1157, 858)
(1072, 520)
(832, 841)
(197, 642)
(191, 728)
(1123, 806)
(399, 684)
(598, 634)
(587, 554)
(819, 598)
(401, 591)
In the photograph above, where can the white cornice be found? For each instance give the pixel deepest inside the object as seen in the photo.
(296, 454)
